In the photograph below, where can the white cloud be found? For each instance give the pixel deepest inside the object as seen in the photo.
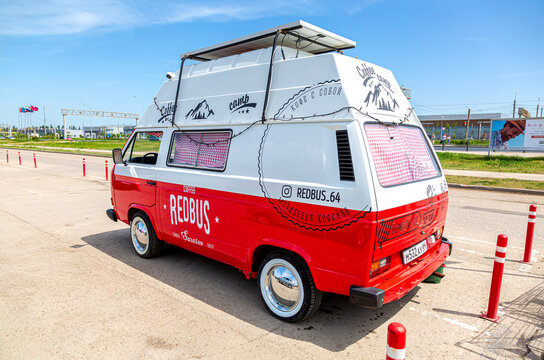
(58, 17)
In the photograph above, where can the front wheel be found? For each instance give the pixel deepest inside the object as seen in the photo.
(287, 287)
(144, 240)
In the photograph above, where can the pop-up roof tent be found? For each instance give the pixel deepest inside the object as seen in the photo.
(308, 77)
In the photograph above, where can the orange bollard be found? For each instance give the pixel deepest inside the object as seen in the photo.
(19, 157)
(83, 167)
(106, 170)
(35, 165)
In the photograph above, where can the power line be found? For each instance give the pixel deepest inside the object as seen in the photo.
(483, 103)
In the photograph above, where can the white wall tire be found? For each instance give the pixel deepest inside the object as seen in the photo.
(143, 237)
(287, 288)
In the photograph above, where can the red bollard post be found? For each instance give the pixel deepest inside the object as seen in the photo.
(496, 280)
(35, 165)
(7, 156)
(83, 167)
(106, 170)
(396, 342)
(18, 152)
(530, 234)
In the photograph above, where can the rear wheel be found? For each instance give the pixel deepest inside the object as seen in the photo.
(144, 240)
(287, 287)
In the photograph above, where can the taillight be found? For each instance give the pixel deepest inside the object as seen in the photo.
(438, 233)
(380, 266)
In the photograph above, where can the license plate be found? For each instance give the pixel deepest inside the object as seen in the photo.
(415, 251)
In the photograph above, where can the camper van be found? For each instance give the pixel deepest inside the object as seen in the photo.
(304, 168)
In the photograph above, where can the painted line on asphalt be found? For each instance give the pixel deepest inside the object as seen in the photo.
(525, 267)
(534, 253)
(466, 250)
(446, 319)
(477, 241)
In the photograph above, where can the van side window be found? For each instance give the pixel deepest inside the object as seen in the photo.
(200, 149)
(401, 154)
(144, 148)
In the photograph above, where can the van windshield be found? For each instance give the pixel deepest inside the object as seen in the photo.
(400, 153)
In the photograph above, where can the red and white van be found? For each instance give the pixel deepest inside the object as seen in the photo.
(302, 167)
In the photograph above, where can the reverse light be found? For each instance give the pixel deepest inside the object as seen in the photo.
(380, 266)
(431, 240)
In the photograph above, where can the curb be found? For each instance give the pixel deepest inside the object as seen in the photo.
(498, 189)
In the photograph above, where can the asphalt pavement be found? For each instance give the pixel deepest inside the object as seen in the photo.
(71, 286)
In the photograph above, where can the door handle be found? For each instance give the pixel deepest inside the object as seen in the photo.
(151, 182)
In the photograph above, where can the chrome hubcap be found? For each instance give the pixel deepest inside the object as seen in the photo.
(282, 288)
(140, 236)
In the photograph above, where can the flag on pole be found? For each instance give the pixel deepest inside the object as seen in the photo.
(33, 108)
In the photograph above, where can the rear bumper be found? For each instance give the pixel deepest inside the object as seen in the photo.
(446, 241)
(111, 214)
(398, 286)
(367, 297)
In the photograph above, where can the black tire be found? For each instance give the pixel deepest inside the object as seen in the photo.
(140, 223)
(308, 297)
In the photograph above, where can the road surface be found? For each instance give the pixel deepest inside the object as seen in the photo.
(71, 286)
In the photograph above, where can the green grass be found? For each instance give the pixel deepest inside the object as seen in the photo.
(80, 146)
(75, 144)
(505, 183)
(498, 163)
(463, 142)
(449, 160)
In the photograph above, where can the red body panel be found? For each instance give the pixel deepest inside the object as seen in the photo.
(229, 227)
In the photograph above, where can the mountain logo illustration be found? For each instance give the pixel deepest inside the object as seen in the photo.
(200, 112)
(380, 96)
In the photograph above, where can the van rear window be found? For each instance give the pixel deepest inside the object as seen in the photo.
(401, 154)
(199, 149)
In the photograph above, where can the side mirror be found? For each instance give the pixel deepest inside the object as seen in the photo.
(117, 156)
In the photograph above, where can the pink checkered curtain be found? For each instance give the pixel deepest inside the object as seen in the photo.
(213, 150)
(186, 148)
(400, 154)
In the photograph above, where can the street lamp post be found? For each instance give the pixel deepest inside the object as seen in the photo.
(91, 121)
(142, 104)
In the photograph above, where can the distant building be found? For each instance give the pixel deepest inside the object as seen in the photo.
(101, 131)
(479, 125)
(74, 133)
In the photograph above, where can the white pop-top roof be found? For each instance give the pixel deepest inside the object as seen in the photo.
(298, 34)
(303, 85)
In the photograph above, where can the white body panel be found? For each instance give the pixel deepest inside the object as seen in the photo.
(311, 97)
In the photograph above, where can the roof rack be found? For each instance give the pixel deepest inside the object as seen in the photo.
(297, 35)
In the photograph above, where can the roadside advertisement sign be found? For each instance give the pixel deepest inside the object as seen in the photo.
(517, 134)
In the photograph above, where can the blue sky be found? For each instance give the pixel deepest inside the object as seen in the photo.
(101, 54)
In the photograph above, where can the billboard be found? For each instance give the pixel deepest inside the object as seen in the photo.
(517, 134)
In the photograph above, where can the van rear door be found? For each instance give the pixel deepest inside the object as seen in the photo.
(411, 191)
